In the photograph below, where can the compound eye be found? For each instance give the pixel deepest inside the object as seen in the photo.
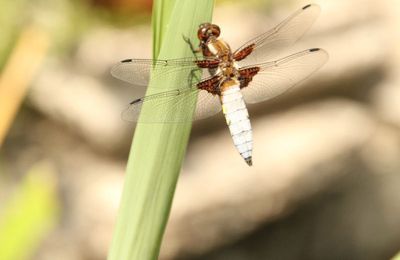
(206, 30)
(216, 30)
(202, 34)
(204, 25)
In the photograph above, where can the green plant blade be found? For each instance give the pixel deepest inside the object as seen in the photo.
(158, 149)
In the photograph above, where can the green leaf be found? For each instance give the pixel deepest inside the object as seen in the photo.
(158, 149)
(29, 215)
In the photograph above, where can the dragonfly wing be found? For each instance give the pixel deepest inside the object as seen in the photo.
(134, 71)
(269, 44)
(207, 105)
(171, 106)
(137, 71)
(276, 77)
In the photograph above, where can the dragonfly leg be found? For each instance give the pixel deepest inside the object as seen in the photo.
(192, 48)
(193, 77)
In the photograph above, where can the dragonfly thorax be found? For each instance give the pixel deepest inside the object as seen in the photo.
(228, 70)
(222, 51)
(219, 48)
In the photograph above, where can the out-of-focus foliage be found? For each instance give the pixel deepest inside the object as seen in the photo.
(64, 20)
(9, 26)
(30, 213)
(27, 56)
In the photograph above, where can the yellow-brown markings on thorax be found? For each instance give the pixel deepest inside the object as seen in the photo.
(219, 48)
(222, 50)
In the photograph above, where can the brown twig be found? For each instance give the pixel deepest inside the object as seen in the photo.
(18, 72)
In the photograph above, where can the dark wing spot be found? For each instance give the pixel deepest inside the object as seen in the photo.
(135, 101)
(314, 49)
(127, 60)
(305, 7)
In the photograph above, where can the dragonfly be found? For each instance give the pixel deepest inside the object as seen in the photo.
(229, 79)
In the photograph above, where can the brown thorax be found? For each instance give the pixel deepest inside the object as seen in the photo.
(213, 46)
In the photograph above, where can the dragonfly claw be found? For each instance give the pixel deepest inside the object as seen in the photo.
(189, 42)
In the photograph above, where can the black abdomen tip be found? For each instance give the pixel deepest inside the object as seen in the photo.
(249, 161)
(127, 60)
(314, 49)
(305, 7)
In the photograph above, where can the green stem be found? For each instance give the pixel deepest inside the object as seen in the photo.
(158, 149)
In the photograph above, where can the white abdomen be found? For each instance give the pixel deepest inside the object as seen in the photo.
(237, 118)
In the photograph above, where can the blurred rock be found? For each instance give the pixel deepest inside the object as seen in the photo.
(336, 16)
(385, 99)
(355, 217)
(104, 47)
(297, 154)
(82, 104)
(95, 206)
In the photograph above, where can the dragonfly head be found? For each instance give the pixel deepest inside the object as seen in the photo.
(207, 30)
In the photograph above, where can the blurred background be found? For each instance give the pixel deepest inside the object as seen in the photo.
(326, 175)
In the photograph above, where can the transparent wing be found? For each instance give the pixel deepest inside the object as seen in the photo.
(276, 77)
(175, 106)
(270, 43)
(137, 71)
